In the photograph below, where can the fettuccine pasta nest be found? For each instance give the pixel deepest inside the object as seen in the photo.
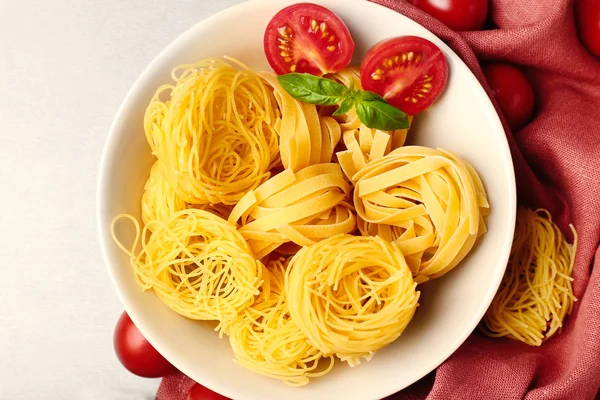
(302, 208)
(429, 202)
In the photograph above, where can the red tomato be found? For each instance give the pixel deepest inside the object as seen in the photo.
(588, 21)
(513, 93)
(199, 392)
(458, 15)
(136, 353)
(307, 38)
(408, 71)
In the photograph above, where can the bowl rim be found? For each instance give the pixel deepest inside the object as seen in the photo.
(113, 138)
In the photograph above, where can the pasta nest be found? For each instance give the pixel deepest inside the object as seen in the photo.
(350, 303)
(198, 265)
(213, 132)
(301, 208)
(429, 202)
(536, 292)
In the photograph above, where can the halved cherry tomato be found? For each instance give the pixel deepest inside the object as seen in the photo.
(408, 71)
(588, 22)
(136, 353)
(307, 38)
(458, 15)
(199, 392)
(512, 91)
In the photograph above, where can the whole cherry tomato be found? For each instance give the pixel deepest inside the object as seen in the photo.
(458, 15)
(588, 22)
(136, 353)
(513, 92)
(199, 392)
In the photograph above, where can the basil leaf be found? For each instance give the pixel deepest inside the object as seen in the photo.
(379, 114)
(365, 95)
(346, 106)
(313, 89)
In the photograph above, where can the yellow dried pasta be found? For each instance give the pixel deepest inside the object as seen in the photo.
(266, 340)
(197, 263)
(220, 210)
(305, 137)
(536, 293)
(159, 200)
(301, 207)
(350, 295)
(213, 131)
(429, 202)
(365, 144)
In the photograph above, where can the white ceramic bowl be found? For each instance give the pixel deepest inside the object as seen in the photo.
(462, 120)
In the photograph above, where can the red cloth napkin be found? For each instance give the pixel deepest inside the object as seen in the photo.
(557, 164)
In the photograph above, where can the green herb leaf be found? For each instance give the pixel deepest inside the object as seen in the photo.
(371, 108)
(313, 89)
(346, 106)
(376, 113)
(365, 95)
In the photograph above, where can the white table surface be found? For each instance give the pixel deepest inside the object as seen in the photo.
(65, 67)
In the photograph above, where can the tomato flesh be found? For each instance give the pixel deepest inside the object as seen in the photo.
(458, 15)
(513, 92)
(307, 38)
(199, 392)
(136, 353)
(408, 71)
(588, 22)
